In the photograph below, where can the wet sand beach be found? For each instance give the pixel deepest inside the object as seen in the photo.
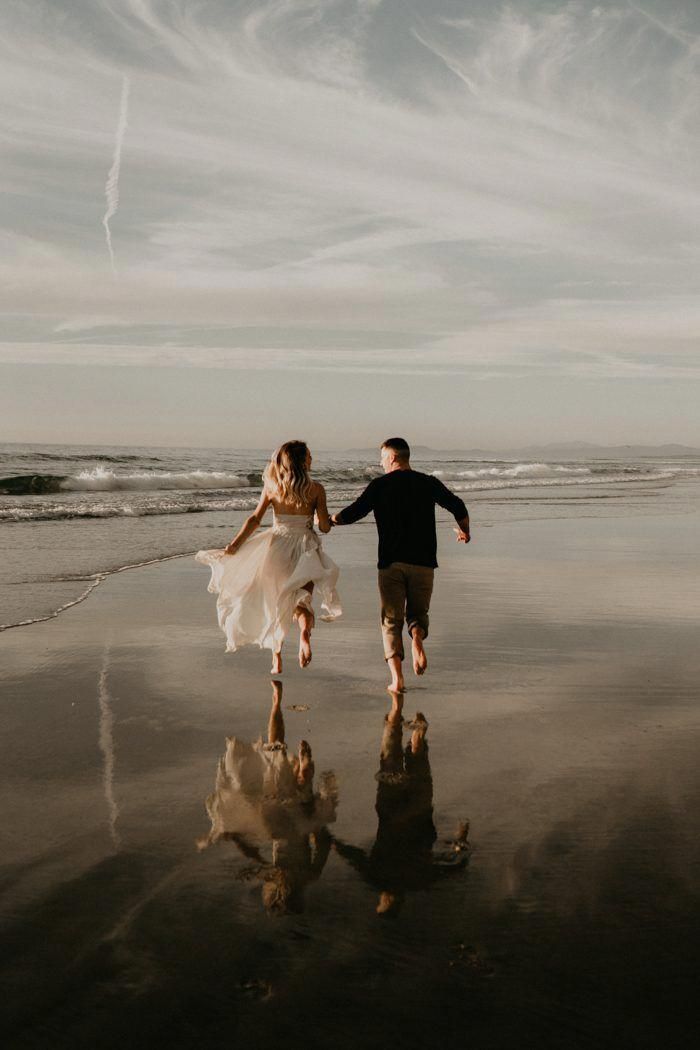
(537, 859)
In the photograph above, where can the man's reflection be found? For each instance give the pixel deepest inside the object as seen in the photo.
(263, 797)
(402, 857)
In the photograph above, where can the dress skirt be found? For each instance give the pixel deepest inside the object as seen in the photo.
(260, 586)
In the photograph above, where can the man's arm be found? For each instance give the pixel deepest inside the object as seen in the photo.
(356, 857)
(359, 509)
(455, 506)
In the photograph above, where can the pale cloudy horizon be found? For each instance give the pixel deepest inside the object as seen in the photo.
(473, 223)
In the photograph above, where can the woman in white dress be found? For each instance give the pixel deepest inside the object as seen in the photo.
(266, 581)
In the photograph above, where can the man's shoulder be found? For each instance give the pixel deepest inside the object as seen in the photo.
(424, 480)
(403, 475)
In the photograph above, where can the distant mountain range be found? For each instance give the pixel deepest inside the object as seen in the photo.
(565, 450)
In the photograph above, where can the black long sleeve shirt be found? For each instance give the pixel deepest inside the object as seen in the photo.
(403, 502)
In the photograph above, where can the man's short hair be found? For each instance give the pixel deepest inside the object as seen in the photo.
(399, 446)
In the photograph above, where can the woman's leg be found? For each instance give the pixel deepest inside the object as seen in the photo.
(304, 616)
(275, 725)
(276, 662)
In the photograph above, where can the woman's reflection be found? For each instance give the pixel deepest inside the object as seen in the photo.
(265, 797)
(402, 857)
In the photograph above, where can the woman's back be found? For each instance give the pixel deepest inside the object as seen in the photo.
(305, 510)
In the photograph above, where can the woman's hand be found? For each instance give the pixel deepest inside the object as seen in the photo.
(232, 547)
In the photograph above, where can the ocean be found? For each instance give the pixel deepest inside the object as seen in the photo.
(72, 515)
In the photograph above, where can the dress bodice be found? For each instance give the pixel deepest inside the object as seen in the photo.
(292, 523)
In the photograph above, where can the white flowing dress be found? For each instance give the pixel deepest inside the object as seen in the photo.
(260, 586)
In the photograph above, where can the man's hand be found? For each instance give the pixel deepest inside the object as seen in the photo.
(463, 535)
(334, 519)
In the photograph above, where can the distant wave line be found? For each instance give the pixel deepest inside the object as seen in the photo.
(102, 511)
(102, 479)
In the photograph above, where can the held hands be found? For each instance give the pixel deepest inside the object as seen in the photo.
(463, 535)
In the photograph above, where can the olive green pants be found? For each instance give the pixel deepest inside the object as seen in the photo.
(405, 592)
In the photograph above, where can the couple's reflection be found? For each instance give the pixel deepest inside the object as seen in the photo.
(265, 802)
(402, 857)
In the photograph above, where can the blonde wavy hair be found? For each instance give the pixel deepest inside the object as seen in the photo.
(286, 478)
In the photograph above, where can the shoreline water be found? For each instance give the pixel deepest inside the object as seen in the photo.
(94, 580)
(133, 506)
(499, 509)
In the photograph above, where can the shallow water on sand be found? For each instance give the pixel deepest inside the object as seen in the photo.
(535, 860)
(68, 515)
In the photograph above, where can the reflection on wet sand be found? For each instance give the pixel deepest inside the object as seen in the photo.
(402, 857)
(106, 745)
(265, 798)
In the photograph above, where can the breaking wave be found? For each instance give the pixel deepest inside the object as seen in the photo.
(99, 479)
(513, 470)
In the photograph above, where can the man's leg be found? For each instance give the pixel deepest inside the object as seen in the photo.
(418, 594)
(392, 592)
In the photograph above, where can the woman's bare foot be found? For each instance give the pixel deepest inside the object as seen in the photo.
(394, 715)
(276, 663)
(305, 768)
(420, 660)
(304, 648)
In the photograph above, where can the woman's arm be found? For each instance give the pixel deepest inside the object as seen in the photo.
(249, 525)
(324, 521)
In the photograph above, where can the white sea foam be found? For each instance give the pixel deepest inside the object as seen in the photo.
(65, 511)
(101, 480)
(514, 470)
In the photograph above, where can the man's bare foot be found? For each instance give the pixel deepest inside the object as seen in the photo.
(396, 685)
(420, 660)
(304, 648)
(276, 663)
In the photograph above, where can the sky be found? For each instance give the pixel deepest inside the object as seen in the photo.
(231, 223)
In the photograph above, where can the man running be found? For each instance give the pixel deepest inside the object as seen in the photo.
(404, 502)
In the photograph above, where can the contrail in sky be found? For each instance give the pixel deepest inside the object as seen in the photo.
(112, 184)
(677, 34)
